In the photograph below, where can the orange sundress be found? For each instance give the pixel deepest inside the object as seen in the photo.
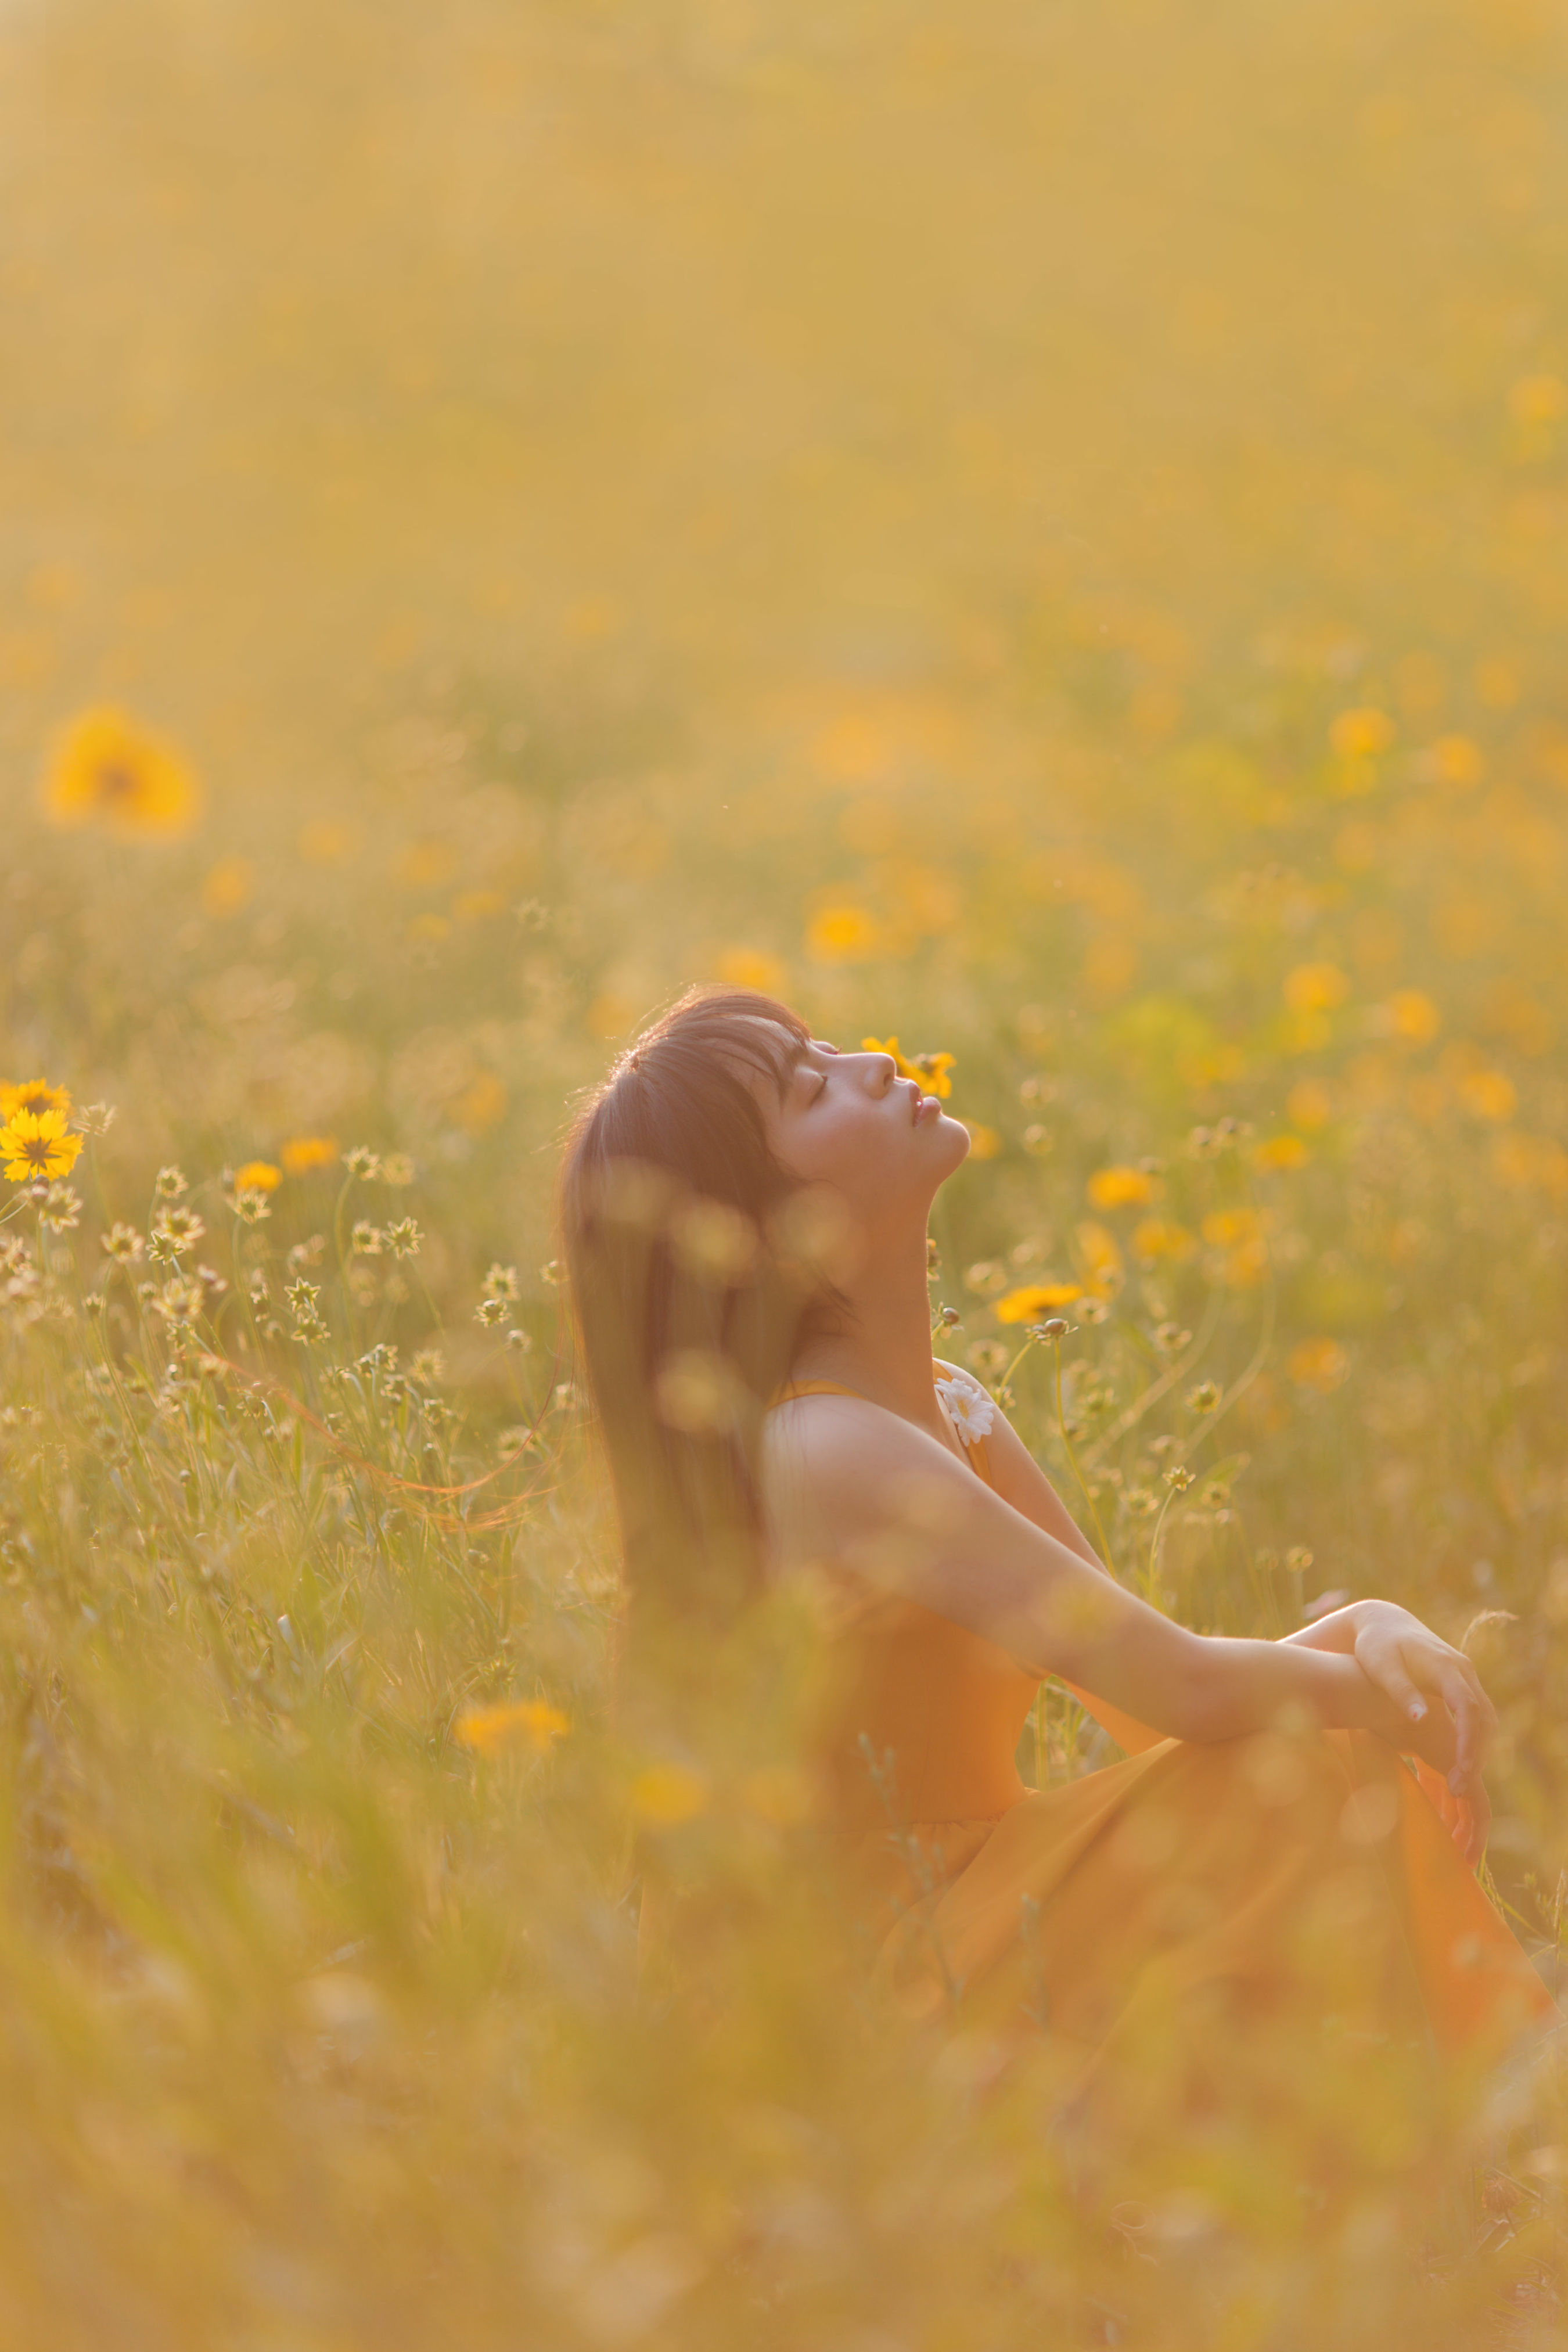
(1299, 1880)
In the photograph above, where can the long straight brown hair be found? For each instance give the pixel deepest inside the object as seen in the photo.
(695, 1275)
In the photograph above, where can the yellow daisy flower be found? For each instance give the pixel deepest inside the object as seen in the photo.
(1121, 1188)
(303, 1152)
(843, 935)
(109, 770)
(1280, 1152)
(37, 1143)
(929, 1071)
(1035, 1299)
(531, 1723)
(257, 1176)
(37, 1095)
(668, 1794)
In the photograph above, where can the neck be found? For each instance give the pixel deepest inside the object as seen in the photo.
(885, 1350)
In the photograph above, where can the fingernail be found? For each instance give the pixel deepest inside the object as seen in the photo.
(1417, 1709)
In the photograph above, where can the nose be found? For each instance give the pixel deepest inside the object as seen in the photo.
(884, 1070)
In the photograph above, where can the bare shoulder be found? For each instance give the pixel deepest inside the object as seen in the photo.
(841, 1466)
(831, 1436)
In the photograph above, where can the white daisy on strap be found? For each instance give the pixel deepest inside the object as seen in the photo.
(971, 1410)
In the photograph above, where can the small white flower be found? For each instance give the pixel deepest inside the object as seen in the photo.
(971, 1410)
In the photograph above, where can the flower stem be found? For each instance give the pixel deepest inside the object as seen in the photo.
(1072, 1461)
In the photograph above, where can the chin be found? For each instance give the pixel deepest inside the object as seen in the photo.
(955, 1135)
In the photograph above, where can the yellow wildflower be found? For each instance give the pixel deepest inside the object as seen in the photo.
(1222, 1228)
(229, 885)
(37, 1143)
(843, 934)
(481, 1104)
(1455, 759)
(1036, 1298)
(1121, 1188)
(929, 1071)
(1239, 1233)
(303, 1152)
(1320, 1363)
(984, 1143)
(257, 1176)
(532, 1723)
(1315, 987)
(612, 1016)
(1154, 1237)
(108, 770)
(1538, 400)
(752, 968)
(1528, 1161)
(1100, 1255)
(478, 906)
(1281, 1151)
(1361, 734)
(322, 843)
(1410, 1013)
(668, 1794)
(1309, 1105)
(1487, 1094)
(35, 1094)
(422, 865)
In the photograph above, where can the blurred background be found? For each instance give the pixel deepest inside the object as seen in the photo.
(1037, 530)
(1042, 537)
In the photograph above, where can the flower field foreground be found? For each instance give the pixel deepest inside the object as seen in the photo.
(1034, 534)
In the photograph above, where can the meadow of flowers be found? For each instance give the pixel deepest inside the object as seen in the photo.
(1035, 533)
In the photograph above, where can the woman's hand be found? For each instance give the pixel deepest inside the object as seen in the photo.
(1412, 1666)
(1409, 1661)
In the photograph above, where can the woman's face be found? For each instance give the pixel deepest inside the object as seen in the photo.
(849, 1120)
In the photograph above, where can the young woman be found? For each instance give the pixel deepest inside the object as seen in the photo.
(745, 1212)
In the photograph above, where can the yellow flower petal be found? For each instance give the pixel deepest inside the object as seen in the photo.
(303, 1152)
(1154, 1237)
(1281, 1151)
(1320, 1364)
(1036, 1298)
(1315, 987)
(668, 1794)
(33, 1095)
(752, 968)
(524, 1723)
(929, 1071)
(1120, 1188)
(843, 934)
(109, 770)
(37, 1144)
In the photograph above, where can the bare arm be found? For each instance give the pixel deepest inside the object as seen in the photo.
(844, 1480)
(1408, 1661)
(1404, 1658)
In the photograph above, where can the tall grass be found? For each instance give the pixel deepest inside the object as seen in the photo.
(1037, 535)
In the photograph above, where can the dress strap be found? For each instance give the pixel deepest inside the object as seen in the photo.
(793, 1389)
